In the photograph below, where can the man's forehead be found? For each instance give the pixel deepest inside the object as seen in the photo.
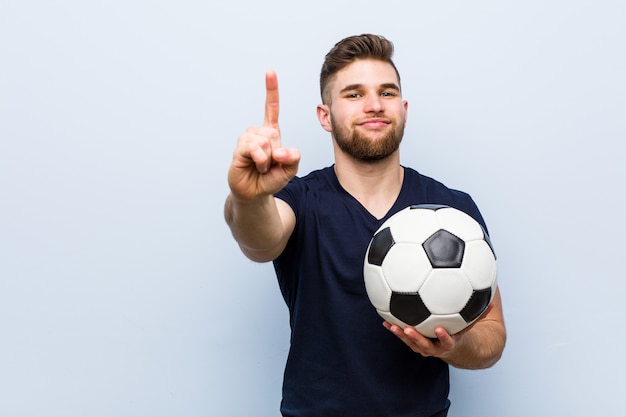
(366, 72)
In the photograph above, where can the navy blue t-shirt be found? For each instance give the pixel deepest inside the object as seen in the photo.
(342, 362)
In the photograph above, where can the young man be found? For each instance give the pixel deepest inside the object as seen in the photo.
(342, 362)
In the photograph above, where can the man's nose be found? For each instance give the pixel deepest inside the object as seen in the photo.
(373, 104)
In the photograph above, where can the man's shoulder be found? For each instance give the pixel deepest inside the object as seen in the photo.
(320, 181)
(427, 190)
(430, 183)
(314, 179)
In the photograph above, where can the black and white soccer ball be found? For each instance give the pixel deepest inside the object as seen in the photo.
(429, 266)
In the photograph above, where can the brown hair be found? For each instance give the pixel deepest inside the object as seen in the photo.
(350, 49)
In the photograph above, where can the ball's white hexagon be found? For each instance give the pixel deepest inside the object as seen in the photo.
(479, 264)
(446, 291)
(376, 287)
(413, 226)
(386, 315)
(406, 266)
(453, 323)
(460, 224)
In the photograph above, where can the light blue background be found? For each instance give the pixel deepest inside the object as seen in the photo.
(122, 292)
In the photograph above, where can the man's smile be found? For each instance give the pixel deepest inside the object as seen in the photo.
(374, 123)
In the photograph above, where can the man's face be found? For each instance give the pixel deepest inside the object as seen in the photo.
(366, 111)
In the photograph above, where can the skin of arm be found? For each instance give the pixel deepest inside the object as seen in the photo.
(261, 227)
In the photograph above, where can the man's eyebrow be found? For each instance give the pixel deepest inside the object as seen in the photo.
(385, 86)
(393, 86)
(351, 87)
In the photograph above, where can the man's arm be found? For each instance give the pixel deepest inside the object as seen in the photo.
(477, 347)
(261, 224)
(261, 228)
(481, 345)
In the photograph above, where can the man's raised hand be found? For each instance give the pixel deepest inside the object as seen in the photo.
(261, 166)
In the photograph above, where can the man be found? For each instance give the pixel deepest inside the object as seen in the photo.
(342, 362)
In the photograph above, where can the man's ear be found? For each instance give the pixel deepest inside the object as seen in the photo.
(323, 115)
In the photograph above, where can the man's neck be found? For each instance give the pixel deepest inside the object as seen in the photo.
(375, 185)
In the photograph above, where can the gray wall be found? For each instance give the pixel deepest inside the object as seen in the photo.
(121, 290)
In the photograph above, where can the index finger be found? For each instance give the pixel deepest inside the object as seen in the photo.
(271, 100)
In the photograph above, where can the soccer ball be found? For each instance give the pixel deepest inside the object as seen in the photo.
(429, 266)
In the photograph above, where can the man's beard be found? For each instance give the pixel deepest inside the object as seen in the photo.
(365, 149)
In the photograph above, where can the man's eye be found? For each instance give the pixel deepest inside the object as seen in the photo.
(387, 94)
(354, 95)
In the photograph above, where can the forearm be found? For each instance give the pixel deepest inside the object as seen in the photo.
(256, 226)
(481, 345)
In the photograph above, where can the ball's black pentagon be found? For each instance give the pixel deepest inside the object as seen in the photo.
(433, 207)
(475, 306)
(408, 307)
(380, 245)
(444, 250)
